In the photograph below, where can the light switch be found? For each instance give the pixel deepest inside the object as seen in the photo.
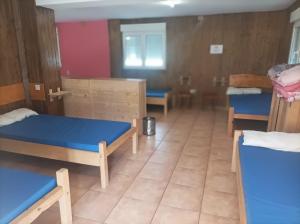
(37, 87)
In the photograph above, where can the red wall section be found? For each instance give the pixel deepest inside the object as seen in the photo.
(84, 48)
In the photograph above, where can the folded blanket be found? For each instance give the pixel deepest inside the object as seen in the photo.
(289, 88)
(285, 93)
(289, 77)
(273, 140)
(242, 91)
(276, 70)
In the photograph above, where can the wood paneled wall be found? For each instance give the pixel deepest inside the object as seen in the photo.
(252, 44)
(49, 58)
(28, 56)
(10, 70)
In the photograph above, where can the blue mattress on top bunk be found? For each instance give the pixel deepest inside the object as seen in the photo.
(19, 190)
(271, 183)
(157, 93)
(254, 104)
(76, 133)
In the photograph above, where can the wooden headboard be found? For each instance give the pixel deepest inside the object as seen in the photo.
(11, 97)
(250, 81)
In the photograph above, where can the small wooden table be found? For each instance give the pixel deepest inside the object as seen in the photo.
(209, 98)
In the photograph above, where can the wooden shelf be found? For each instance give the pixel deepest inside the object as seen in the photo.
(59, 94)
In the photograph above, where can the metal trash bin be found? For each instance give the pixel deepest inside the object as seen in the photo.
(149, 126)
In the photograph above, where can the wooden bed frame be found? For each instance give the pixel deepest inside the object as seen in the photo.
(246, 81)
(61, 194)
(98, 159)
(236, 167)
(160, 101)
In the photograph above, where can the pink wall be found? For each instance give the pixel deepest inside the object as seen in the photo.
(84, 48)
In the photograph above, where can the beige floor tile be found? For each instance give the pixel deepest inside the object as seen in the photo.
(199, 142)
(188, 177)
(210, 219)
(183, 197)
(171, 147)
(78, 220)
(221, 154)
(219, 166)
(169, 215)
(164, 158)
(95, 205)
(141, 155)
(131, 211)
(157, 171)
(127, 167)
(199, 151)
(48, 217)
(82, 181)
(118, 184)
(147, 190)
(220, 204)
(221, 182)
(193, 162)
(175, 138)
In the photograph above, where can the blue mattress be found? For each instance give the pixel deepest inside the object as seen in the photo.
(19, 190)
(271, 182)
(76, 133)
(254, 104)
(157, 93)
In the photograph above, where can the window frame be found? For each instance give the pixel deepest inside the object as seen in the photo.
(296, 28)
(143, 30)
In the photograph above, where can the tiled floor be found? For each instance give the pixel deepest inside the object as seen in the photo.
(182, 175)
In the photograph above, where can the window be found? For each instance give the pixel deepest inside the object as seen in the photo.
(294, 57)
(144, 46)
(295, 46)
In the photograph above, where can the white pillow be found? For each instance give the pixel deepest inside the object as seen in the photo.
(5, 121)
(273, 140)
(16, 115)
(242, 91)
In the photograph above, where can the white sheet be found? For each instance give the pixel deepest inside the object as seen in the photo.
(242, 91)
(273, 140)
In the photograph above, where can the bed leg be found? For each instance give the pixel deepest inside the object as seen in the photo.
(103, 165)
(230, 121)
(135, 137)
(237, 135)
(166, 104)
(62, 177)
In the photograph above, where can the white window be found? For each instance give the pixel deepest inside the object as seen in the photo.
(294, 57)
(295, 46)
(144, 46)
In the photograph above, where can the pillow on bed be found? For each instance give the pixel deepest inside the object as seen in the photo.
(273, 140)
(16, 115)
(242, 91)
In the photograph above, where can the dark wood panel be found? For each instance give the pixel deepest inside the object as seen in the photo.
(9, 63)
(49, 57)
(30, 39)
(251, 45)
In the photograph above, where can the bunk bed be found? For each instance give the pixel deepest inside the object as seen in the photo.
(77, 140)
(249, 106)
(25, 195)
(268, 183)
